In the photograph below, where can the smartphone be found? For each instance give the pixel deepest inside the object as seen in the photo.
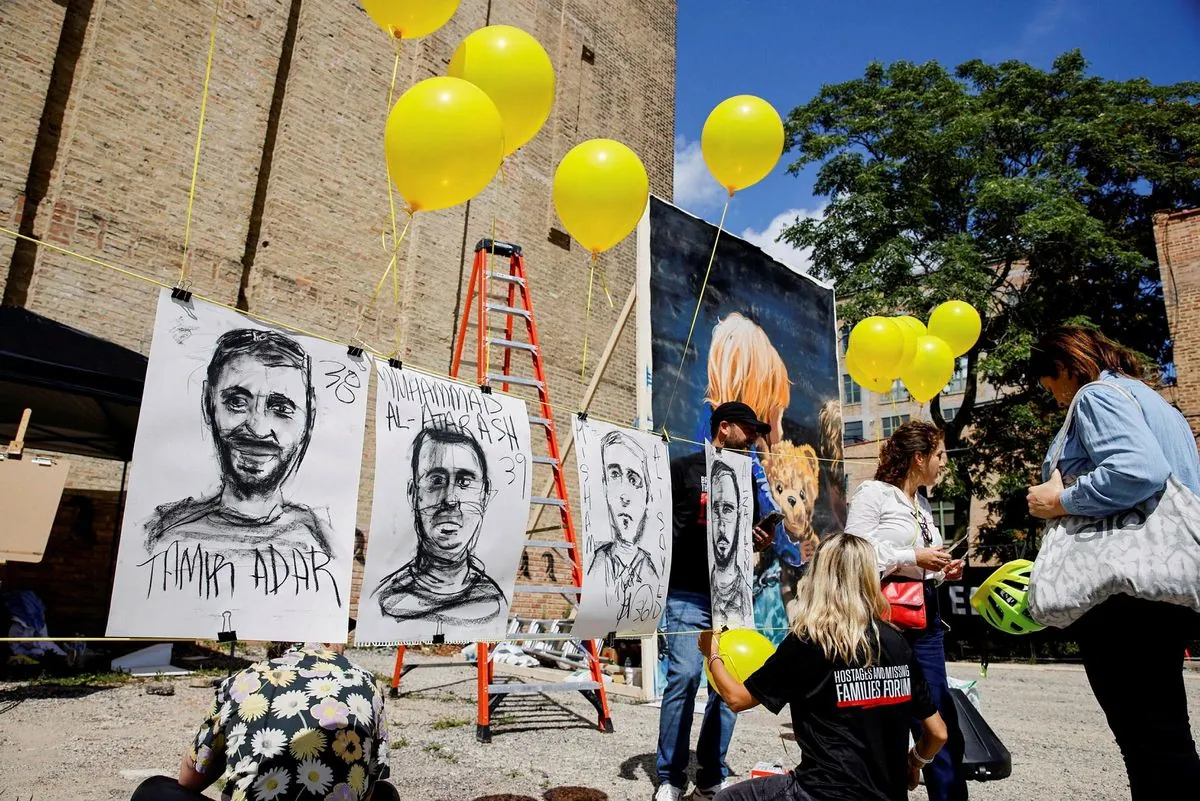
(769, 522)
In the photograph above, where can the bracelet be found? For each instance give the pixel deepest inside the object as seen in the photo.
(915, 756)
(716, 658)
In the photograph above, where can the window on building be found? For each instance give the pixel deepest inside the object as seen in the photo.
(890, 424)
(845, 335)
(851, 392)
(897, 394)
(958, 381)
(852, 432)
(943, 516)
(948, 414)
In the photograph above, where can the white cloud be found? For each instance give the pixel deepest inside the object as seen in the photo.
(695, 189)
(796, 258)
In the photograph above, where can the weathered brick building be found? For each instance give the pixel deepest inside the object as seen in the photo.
(1177, 236)
(99, 105)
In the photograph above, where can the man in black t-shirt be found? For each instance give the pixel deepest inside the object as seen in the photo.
(851, 721)
(689, 609)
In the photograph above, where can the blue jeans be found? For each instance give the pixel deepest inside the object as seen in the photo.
(944, 779)
(690, 611)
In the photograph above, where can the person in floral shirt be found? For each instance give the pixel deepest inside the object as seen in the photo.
(308, 725)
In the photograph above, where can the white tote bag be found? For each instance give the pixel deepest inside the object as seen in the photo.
(1151, 551)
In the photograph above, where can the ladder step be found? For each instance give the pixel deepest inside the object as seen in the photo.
(547, 589)
(561, 687)
(539, 421)
(512, 279)
(514, 379)
(508, 343)
(510, 310)
(559, 502)
(545, 460)
(560, 544)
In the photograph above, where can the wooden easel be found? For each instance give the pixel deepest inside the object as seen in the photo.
(16, 448)
(30, 491)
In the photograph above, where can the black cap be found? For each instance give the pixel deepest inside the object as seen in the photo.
(737, 412)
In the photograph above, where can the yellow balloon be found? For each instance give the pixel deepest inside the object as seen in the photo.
(600, 191)
(878, 346)
(930, 370)
(410, 19)
(444, 142)
(864, 379)
(515, 71)
(910, 329)
(957, 323)
(742, 141)
(743, 651)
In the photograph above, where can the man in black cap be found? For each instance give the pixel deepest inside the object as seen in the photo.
(734, 426)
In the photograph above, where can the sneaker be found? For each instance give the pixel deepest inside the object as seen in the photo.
(707, 793)
(668, 792)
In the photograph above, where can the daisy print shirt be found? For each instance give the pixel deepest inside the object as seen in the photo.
(306, 726)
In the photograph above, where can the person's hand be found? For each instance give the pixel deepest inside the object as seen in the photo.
(1045, 500)
(914, 776)
(954, 570)
(710, 643)
(762, 539)
(808, 549)
(935, 559)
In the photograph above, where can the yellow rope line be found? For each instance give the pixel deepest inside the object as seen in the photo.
(374, 352)
(390, 188)
(699, 300)
(516, 636)
(187, 225)
(587, 313)
(391, 268)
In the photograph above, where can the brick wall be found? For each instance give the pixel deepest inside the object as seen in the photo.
(1177, 237)
(300, 88)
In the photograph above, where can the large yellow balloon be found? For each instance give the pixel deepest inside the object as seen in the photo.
(410, 19)
(930, 370)
(743, 651)
(957, 323)
(866, 380)
(910, 329)
(878, 346)
(444, 142)
(600, 191)
(515, 71)
(742, 141)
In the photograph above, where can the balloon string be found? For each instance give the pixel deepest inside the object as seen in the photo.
(695, 314)
(389, 270)
(187, 225)
(390, 190)
(587, 315)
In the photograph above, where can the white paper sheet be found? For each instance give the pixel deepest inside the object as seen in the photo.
(447, 529)
(244, 487)
(625, 508)
(730, 538)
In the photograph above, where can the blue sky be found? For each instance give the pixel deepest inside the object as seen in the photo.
(784, 50)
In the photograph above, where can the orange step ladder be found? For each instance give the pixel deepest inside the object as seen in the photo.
(513, 303)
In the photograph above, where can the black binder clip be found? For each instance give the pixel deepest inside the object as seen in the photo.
(395, 363)
(439, 639)
(582, 417)
(226, 634)
(181, 294)
(486, 389)
(666, 438)
(354, 352)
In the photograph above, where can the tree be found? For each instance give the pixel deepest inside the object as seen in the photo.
(1028, 194)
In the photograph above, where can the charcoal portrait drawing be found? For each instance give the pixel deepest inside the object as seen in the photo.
(730, 584)
(449, 489)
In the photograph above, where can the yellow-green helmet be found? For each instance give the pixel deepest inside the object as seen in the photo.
(1003, 599)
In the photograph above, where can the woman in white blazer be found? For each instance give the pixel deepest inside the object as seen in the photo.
(896, 518)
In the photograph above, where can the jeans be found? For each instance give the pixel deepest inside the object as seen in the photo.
(944, 778)
(784, 787)
(1132, 651)
(689, 611)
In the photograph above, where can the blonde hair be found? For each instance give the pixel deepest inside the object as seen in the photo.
(744, 366)
(839, 604)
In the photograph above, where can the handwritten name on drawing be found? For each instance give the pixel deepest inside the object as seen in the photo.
(443, 402)
(210, 572)
(881, 685)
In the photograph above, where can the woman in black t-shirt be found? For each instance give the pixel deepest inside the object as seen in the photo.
(852, 684)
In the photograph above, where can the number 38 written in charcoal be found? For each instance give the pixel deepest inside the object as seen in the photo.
(345, 381)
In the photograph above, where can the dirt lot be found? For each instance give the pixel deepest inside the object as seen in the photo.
(89, 743)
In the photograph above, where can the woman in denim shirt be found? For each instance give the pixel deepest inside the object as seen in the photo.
(1119, 453)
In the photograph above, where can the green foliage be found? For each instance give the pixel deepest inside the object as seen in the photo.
(1028, 194)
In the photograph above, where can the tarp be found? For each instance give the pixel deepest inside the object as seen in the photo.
(85, 392)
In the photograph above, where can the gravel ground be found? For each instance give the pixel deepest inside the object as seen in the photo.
(87, 743)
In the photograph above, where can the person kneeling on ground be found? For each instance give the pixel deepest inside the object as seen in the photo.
(852, 684)
(304, 726)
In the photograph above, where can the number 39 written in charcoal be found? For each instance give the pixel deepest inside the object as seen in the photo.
(514, 467)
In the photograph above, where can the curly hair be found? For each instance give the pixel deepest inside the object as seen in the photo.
(896, 455)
